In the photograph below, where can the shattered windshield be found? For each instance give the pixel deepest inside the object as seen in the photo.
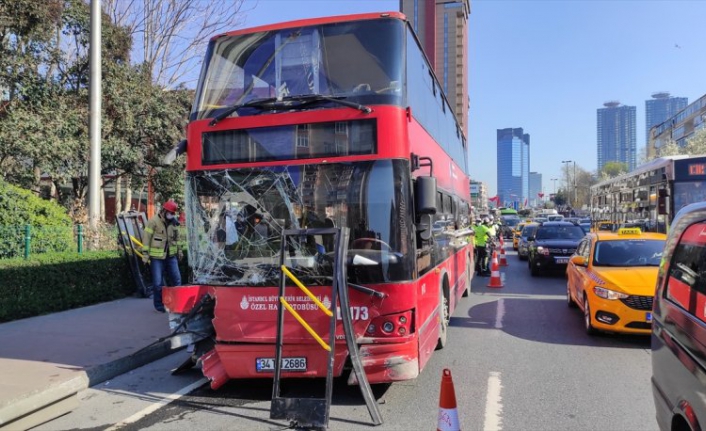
(359, 60)
(235, 219)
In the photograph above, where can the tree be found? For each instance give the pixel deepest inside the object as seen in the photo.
(560, 197)
(173, 33)
(670, 148)
(696, 144)
(613, 169)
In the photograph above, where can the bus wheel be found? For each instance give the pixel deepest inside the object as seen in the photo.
(443, 316)
(469, 274)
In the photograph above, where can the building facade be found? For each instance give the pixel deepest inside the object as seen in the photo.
(442, 28)
(535, 188)
(661, 108)
(513, 166)
(616, 130)
(678, 128)
(479, 197)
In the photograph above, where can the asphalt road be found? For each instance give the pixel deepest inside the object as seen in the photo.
(519, 359)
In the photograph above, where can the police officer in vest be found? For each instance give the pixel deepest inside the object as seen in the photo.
(161, 250)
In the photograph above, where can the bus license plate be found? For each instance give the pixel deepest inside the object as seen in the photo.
(288, 364)
(648, 317)
(561, 259)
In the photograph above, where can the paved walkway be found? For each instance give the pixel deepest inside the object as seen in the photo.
(46, 360)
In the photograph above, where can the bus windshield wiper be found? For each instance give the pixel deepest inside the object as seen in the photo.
(288, 102)
(255, 103)
(313, 98)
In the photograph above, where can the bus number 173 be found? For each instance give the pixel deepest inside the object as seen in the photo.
(357, 313)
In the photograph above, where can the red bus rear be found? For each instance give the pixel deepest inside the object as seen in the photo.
(315, 124)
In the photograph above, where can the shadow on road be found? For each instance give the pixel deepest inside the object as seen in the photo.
(542, 320)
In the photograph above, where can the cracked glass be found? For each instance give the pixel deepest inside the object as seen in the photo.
(236, 216)
(355, 60)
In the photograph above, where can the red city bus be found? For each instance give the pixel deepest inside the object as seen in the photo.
(310, 124)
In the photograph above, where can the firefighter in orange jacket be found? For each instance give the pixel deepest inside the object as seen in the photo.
(161, 250)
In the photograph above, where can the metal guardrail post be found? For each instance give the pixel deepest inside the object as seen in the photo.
(28, 240)
(79, 238)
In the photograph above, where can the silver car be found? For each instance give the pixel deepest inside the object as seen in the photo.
(523, 245)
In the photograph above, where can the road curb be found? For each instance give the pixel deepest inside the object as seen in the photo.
(100, 373)
(54, 400)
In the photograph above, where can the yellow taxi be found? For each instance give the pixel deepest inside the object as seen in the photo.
(612, 278)
(604, 226)
(516, 234)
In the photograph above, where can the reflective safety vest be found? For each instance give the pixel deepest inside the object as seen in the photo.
(492, 230)
(481, 235)
(160, 239)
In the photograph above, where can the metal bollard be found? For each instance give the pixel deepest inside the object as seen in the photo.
(79, 238)
(28, 240)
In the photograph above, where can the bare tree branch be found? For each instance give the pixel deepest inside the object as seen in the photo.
(170, 35)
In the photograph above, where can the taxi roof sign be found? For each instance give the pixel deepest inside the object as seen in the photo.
(629, 231)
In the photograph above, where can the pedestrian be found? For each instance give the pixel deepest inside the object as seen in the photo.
(161, 250)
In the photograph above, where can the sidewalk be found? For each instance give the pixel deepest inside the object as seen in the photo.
(45, 361)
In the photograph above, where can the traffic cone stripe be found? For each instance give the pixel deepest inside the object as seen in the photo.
(495, 280)
(448, 414)
(448, 420)
(503, 260)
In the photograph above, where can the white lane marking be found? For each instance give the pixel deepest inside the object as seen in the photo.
(155, 406)
(493, 403)
(500, 313)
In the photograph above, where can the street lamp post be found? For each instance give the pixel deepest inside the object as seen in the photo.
(554, 180)
(573, 203)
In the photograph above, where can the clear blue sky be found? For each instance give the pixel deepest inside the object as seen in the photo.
(546, 66)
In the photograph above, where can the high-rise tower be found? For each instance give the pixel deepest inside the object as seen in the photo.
(617, 141)
(513, 166)
(442, 28)
(660, 108)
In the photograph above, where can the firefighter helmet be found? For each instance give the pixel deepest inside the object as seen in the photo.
(170, 206)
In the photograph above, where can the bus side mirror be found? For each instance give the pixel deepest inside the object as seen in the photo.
(425, 195)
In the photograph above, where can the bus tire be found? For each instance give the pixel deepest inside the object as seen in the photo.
(443, 314)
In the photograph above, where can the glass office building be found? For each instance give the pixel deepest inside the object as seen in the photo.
(617, 141)
(535, 188)
(513, 167)
(660, 108)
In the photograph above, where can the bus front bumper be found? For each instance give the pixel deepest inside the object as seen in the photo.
(383, 363)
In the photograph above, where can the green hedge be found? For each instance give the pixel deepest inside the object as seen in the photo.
(52, 282)
(19, 207)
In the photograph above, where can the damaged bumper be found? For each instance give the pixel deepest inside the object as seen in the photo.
(383, 363)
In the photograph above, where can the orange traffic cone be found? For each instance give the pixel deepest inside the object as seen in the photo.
(448, 414)
(495, 280)
(503, 260)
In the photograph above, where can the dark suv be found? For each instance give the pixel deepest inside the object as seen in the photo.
(554, 243)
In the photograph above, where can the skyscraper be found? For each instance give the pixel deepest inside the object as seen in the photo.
(535, 187)
(442, 28)
(660, 108)
(513, 166)
(617, 141)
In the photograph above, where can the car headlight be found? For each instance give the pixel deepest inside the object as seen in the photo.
(608, 294)
(543, 250)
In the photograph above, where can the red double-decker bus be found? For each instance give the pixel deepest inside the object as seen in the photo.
(328, 122)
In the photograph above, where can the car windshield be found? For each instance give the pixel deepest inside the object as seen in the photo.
(634, 252)
(510, 221)
(560, 232)
(528, 231)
